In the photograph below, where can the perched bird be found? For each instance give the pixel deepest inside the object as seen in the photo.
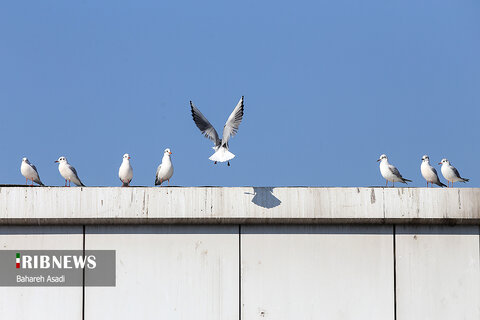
(68, 172)
(450, 173)
(165, 169)
(29, 171)
(429, 172)
(229, 130)
(390, 172)
(125, 173)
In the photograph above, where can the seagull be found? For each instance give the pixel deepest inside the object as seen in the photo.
(125, 173)
(165, 169)
(390, 172)
(429, 172)
(450, 173)
(29, 171)
(229, 130)
(68, 172)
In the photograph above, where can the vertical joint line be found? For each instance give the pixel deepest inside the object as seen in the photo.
(240, 272)
(83, 278)
(394, 273)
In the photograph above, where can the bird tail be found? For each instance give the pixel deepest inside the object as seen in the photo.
(158, 182)
(465, 180)
(406, 180)
(222, 155)
(39, 182)
(125, 184)
(441, 184)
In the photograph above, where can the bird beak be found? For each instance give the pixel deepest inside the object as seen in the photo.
(439, 163)
(128, 158)
(170, 153)
(378, 160)
(56, 161)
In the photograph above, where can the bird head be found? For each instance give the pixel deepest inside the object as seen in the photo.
(444, 161)
(61, 160)
(167, 152)
(382, 157)
(126, 156)
(425, 158)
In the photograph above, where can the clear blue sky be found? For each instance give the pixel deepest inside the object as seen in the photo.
(328, 86)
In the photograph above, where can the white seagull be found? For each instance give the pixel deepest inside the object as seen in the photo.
(68, 172)
(390, 172)
(125, 173)
(165, 169)
(229, 130)
(429, 172)
(29, 171)
(450, 173)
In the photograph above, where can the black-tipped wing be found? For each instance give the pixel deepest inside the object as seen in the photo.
(233, 122)
(204, 125)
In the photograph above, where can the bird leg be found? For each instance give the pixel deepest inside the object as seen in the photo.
(168, 182)
(69, 182)
(393, 184)
(215, 162)
(386, 185)
(26, 181)
(65, 182)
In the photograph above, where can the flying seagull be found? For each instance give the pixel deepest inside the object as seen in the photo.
(68, 172)
(450, 173)
(429, 172)
(125, 173)
(29, 171)
(229, 130)
(165, 169)
(390, 172)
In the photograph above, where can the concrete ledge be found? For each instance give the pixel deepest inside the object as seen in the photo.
(242, 205)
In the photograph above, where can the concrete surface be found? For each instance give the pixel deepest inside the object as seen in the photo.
(245, 205)
(253, 253)
(438, 272)
(53, 303)
(317, 272)
(167, 272)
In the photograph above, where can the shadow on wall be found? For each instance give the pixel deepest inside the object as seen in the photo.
(263, 197)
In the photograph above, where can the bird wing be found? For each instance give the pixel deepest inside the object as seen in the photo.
(455, 171)
(37, 179)
(156, 175)
(395, 171)
(34, 168)
(435, 172)
(233, 122)
(204, 125)
(76, 176)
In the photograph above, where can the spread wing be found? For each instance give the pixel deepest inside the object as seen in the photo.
(204, 125)
(233, 122)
